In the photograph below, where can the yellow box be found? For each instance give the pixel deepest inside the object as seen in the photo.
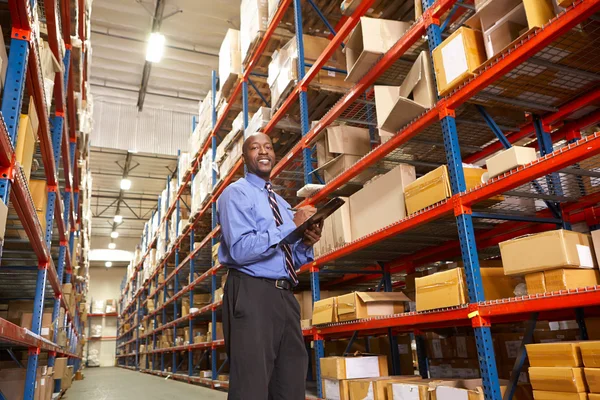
(375, 388)
(440, 290)
(559, 354)
(590, 352)
(353, 367)
(536, 283)
(428, 190)
(335, 389)
(546, 251)
(358, 305)
(457, 58)
(557, 379)
(544, 395)
(566, 279)
(592, 377)
(39, 195)
(325, 311)
(25, 145)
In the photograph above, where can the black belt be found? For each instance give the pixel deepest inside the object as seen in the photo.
(282, 284)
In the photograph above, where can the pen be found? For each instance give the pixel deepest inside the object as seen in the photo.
(292, 209)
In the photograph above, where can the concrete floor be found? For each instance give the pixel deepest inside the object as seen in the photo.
(121, 384)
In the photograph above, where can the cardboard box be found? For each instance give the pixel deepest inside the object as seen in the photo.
(428, 190)
(396, 106)
(375, 388)
(25, 145)
(547, 251)
(409, 390)
(557, 379)
(536, 283)
(457, 58)
(590, 353)
(592, 377)
(338, 165)
(539, 12)
(371, 38)
(60, 366)
(16, 308)
(544, 395)
(12, 382)
(344, 139)
(440, 290)
(254, 19)
(325, 311)
(381, 201)
(561, 354)
(219, 331)
(39, 195)
(46, 327)
(230, 61)
(341, 225)
(509, 159)
(353, 367)
(496, 285)
(360, 305)
(561, 335)
(335, 389)
(596, 243)
(566, 279)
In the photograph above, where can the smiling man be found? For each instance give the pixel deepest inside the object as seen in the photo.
(261, 317)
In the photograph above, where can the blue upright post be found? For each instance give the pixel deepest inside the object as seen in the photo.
(308, 169)
(191, 300)
(387, 279)
(466, 234)
(214, 224)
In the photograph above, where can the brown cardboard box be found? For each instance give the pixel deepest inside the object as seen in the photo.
(380, 202)
(557, 379)
(343, 139)
(443, 289)
(219, 331)
(371, 38)
(507, 346)
(509, 159)
(341, 225)
(566, 279)
(539, 12)
(544, 395)
(45, 332)
(375, 388)
(230, 62)
(465, 368)
(67, 378)
(496, 285)
(338, 165)
(325, 311)
(590, 352)
(536, 283)
(12, 382)
(39, 194)
(360, 305)
(429, 189)
(457, 58)
(353, 367)
(25, 145)
(335, 389)
(16, 308)
(465, 346)
(546, 251)
(591, 396)
(592, 377)
(60, 366)
(561, 354)
(218, 294)
(562, 335)
(596, 243)
(398, 105)
(593, 328)
(439, 347)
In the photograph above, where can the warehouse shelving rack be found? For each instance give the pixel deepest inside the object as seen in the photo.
(452, 228)
(41, 278)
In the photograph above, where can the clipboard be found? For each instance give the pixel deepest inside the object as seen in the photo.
(323, 212)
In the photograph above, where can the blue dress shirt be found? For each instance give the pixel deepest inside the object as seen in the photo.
(250, 238)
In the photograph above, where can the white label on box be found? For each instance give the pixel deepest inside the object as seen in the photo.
(450, 393)
(42, 381)
(461, 347)
(332, 389)
(405, 391)
(585, 256)
(331, 73)
(403, 349)
(45, 331)
(436, 346)
(454, 58)
(362, 367)
(512, 348)
(370, 395)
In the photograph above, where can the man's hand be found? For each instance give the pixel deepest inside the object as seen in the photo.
(303, 214)
(312, 234)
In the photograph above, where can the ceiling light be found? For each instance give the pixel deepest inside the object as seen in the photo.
(156, 47)
(108, 264)
(114, 234)
(118, 219)
(112, 246)
(125, 184)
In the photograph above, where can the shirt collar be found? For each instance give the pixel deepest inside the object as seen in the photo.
(256, 180)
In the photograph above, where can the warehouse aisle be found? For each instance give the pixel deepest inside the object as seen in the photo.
(121, 384)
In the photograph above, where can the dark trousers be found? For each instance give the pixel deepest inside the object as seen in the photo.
(263, 339)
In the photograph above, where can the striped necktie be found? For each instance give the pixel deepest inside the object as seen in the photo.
(287, 250)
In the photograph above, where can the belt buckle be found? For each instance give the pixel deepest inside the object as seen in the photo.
(281, 284)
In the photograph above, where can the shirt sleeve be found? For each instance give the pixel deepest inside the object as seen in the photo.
(302, 254)
(245, 242)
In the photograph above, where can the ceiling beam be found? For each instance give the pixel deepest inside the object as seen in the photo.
(156, 22)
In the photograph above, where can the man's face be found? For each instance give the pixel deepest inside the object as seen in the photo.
(259, 155)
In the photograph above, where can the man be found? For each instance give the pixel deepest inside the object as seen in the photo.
(261, 317)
